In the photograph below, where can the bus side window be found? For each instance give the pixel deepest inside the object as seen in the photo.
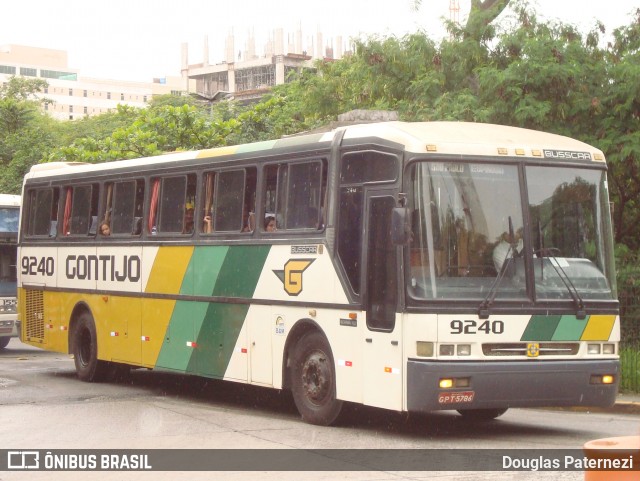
(207, 202)
(294, 194)
(172, 204)
(43, 212)
(125, 201)
(270, 193)
(248, 213)
(138, 209)
(229, 201)
(304, 195)
(81, 207)
(171, 213)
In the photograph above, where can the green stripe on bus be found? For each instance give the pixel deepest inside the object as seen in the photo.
(240, 271)
(205, 267)
(186, 317)
(540, 328)
(213, 327)
(570, 328)
(217, 338)
(256, 146)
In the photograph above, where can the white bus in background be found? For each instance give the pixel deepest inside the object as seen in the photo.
(9, 215)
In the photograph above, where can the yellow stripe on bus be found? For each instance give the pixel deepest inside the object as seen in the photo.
(217, 152)
(168, 269)
(598, 328)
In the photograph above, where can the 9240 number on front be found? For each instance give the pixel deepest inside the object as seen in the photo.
(474, 327)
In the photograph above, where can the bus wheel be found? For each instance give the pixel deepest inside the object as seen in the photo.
(482, 414)
(313, 380)
(85, 350)
(4, 342)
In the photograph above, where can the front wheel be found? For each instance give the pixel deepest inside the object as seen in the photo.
(482, 414)
(313, 380)
(85, 350)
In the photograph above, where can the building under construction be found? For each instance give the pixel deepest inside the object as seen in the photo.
(245, 75)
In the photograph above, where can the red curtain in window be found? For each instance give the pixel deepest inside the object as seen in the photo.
(66, 225)
(153, 211)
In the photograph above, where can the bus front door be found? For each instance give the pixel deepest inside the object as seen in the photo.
(383, 340)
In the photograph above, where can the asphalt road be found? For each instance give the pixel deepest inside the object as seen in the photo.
(44, 406)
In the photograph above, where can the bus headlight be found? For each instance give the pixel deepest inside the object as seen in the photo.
(464, 349)
(447, 349)
(424, 349)
(593, 349)
(608, 349)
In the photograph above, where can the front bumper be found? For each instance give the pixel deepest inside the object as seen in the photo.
(9, 326)
(511, 384)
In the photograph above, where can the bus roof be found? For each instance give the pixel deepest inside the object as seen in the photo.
(9, 200)
(455, 138)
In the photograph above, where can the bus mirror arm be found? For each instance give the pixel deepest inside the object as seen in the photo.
(400, 226)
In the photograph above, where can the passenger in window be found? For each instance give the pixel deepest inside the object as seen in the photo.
(251, 223)
(506, 248)
(105, 228)
(208, 224)
(270, 224)
(188, 221)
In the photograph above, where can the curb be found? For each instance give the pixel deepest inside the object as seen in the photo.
(620, 407)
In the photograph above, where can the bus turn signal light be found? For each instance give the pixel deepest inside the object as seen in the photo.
(446, 383)
(602, 379)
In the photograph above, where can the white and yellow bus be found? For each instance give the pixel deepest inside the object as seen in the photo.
(9, 216)
(408, 266)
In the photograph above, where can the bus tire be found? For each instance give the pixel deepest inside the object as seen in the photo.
(4, 342)
(482, 414)
(313, 380)
(85, 350)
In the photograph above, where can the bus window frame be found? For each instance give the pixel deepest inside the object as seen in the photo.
(322, 185)
(107, 210)
(30, 209)
(74, 187)
(190, 179)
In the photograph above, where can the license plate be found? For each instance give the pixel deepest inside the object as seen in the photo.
(456, 397)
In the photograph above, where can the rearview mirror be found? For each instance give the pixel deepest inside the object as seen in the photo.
(400, 226)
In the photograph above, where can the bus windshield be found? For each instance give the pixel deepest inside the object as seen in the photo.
(9, 220)
(8, 239)
(468, 236)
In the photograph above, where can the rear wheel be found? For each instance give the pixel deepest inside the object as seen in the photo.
(313, 380)
(85, 351)
(482, 414)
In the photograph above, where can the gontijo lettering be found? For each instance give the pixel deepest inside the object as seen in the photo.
(103, 267)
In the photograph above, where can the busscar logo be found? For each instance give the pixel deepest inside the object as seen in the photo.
(291, 275)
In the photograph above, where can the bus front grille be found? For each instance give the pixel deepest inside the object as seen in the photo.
(34, 311)
(521, 349)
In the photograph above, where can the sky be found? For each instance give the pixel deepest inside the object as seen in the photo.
(140, 40)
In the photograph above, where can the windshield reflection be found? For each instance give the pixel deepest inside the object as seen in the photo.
(468, 236)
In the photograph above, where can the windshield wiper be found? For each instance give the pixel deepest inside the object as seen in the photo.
(562, 274)
(566, 280)
(483, 309)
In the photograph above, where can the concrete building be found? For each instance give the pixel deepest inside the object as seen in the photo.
(247, 76)
(75, 96)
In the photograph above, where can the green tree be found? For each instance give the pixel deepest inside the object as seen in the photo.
(25, 133)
